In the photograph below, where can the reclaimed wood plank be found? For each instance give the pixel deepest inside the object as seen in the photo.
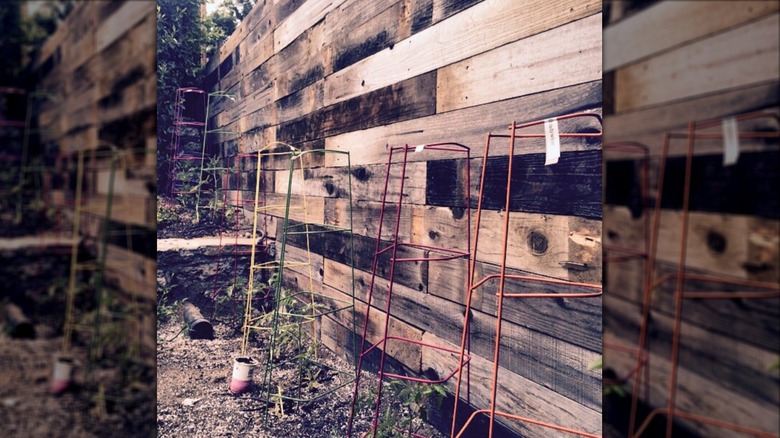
(121, 21)
(560, 57)
(571, 187)
(367, 183)
(378, 31)
(666, 25)
(515, 394)
(689, 71)
(733, 365)
(489, 24)
(406, 353)
(648, 125)
(752, 322)
(467, 126)
(698, 395)
(405, 100)
(303, 18)
(563, 371)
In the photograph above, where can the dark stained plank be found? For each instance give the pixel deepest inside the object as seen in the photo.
(405, 100)
(748, 187)
(572, 187)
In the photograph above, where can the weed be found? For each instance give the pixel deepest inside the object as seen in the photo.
(165, 311)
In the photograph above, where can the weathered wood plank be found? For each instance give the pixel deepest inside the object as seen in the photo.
(367, 183)
(734, 245)
(562, 371)
(515, 394)
(667, 25)
(294, 67)
(365, 218)
(489, 24)
(743, 189)
(121, 21)
(752, 322)
(303, 18)
(648, 125)
(310, 209)
(576, 321)
(561, 57)
(468, 126)
(697, 395)
(723, 361)
(406, 353)
(405, 100)
(443, 9)
(678, 74)
(372, 26)
(571, 187)
(536, 243)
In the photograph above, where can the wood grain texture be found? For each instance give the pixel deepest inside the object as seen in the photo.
(489, 24)
(705, 66)
(560, 57)
(734, 245)
(745, 188)
(648, 125)
(516, 394)
(121, 21)
(405, 100)
(698, 395)
(752, 322)
(468, 126)
(562, 372)
(571, 187)
(723, 362)
(373, 26)
(667, 25)
(303, 18)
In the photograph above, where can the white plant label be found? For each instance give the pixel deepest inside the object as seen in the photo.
(419, 148)
(730, 141)
(553, 140)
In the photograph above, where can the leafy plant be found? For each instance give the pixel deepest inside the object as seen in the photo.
(609, 388)
(165, 311)
(413, 399)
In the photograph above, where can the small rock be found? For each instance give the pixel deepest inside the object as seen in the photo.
(10, 402)
(190, 401)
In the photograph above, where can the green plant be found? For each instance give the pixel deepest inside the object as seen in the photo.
(609, 388)
(413, 400)
(165, 310)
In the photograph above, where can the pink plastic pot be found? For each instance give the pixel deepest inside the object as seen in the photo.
(63, 374)
(241, 381)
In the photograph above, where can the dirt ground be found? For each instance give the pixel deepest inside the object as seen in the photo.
(30, 272)
(28, 409)
(194, 401)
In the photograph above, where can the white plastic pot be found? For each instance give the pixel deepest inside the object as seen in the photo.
(63, 374)
(243, 367)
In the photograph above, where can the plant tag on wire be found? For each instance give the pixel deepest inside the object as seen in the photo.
(730, 141)
(419, 147)
(553, 140)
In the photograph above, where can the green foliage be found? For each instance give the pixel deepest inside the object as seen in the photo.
(20, 37)
(165, 310)
(413, 399)
(612, 388)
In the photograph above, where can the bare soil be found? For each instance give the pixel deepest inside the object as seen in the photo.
(194, 401)
(33, 276)
(28, 408)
